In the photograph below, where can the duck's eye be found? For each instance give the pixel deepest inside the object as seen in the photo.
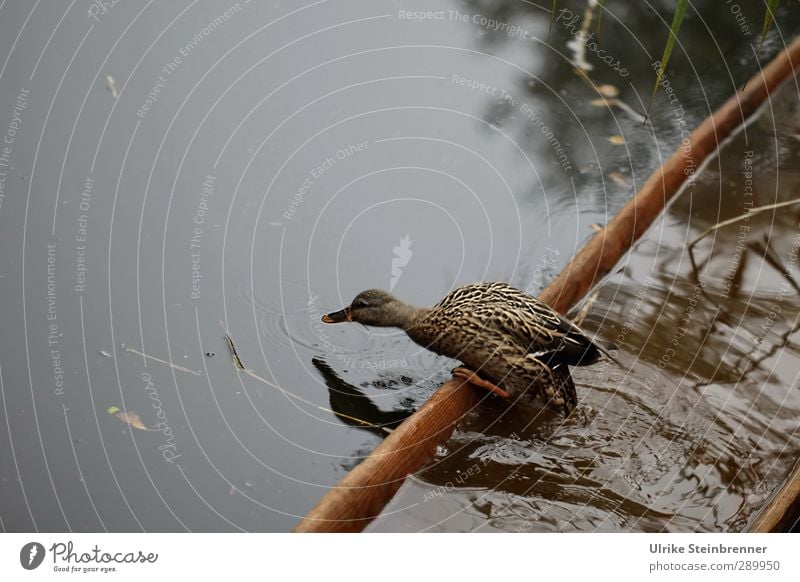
(359, 304)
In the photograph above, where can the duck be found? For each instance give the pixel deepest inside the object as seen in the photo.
(508, 342)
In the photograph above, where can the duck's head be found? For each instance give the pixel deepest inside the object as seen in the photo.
(374, 307)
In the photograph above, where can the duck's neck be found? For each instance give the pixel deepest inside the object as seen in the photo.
(407, 316)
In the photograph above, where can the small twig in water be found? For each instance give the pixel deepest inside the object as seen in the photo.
(159, 360)
(771, 257)
(585, 309)
(736, 219)
(234, 354)
(240, 366)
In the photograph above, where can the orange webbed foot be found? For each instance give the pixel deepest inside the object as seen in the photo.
(474, 379)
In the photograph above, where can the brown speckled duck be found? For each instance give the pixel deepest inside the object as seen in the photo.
(509, 341)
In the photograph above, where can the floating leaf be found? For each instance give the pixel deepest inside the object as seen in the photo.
(111, 84)
(608, 90)
(105, 354)
(620, 179)
(677, 20)
(617, 139)
(130, 418)
(769, 16)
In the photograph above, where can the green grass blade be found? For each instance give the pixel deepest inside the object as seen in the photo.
(601, 7)
(677, 20)
(769, 16)
(552, 16)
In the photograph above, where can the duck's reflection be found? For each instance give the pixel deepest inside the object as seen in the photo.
(350, 403)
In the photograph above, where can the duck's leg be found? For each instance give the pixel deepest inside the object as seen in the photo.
(473, 378)
(565, 388)
(553, 384)
(549, 386)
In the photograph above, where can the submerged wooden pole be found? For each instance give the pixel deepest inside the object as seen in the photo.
(782, 509)
(361, 495)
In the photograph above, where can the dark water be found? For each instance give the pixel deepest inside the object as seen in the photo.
(263, 162)
(708, 428)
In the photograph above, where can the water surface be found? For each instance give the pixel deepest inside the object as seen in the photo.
(181, 170)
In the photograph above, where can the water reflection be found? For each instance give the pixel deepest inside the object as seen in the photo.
(332, 134)
(710, 426)
(355, 407)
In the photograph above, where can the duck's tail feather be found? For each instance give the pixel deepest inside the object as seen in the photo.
(626, 368)
(605, 347)
(606, 351)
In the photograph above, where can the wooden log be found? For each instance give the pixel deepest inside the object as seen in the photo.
(361, 494)
(783, 508)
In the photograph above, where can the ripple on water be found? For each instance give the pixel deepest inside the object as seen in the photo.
(376, 361)
(677, 460)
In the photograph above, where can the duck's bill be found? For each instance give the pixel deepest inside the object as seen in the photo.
(337, 316)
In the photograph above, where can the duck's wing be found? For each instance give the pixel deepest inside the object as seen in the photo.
(532, 324)
(450, 327)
